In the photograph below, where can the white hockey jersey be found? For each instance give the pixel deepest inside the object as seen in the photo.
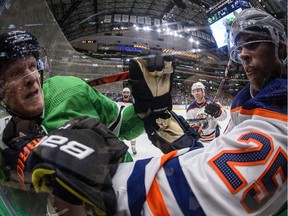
(209, 126)
(122, 102)
(242, 172)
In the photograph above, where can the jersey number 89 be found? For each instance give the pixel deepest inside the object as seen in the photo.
(73, 148)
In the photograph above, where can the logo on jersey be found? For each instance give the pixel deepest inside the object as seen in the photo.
(204, 122)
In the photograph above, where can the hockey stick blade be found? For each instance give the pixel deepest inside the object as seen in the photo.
(196, 120)
(109, 79)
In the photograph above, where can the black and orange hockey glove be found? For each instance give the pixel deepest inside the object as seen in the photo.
(18, 158)
(78, 163)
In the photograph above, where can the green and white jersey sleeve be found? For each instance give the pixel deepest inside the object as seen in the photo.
(70, 97)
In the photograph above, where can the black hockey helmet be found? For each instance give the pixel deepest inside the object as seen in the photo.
(17, 44)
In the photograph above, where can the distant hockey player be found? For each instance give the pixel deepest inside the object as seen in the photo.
(204, 108)
(125, 100)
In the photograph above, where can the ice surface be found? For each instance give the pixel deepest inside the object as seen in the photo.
(145, 149)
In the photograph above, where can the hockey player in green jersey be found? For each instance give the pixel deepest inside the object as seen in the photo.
(62, 98)
(37, 109)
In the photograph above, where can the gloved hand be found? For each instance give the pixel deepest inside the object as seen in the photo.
(19, 138)
(151, 81)
(168, 132)
(18, 158)
(78, 162)
(213, 109)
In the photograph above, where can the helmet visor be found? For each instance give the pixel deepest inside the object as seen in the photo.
(236, 50)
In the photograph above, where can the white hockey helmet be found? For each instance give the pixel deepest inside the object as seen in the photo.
(126, 90)
(198, 85)
(255, 20)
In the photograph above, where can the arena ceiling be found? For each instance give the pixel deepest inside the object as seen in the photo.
(81, 18)
(70, 20)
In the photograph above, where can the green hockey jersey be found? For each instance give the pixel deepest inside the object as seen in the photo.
(70, 97)
(65, 98)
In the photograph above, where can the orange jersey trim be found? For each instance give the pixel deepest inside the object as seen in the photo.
(159, 207)
(261, 112)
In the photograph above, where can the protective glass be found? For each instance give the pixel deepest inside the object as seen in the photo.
(37, 68)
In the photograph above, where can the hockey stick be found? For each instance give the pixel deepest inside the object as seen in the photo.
(196, 119)
(109, 79)
(223, 79)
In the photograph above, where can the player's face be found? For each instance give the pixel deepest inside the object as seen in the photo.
(259, 60)
(198, 95)
(22, 88)
(126, 94)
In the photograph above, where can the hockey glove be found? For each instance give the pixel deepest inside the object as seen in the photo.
(168, 132)
(17, 157)
(213, 109)
(151, 81)
(78, 162)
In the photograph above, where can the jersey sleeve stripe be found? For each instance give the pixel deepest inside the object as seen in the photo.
(139, 185)
(166, 157)
(265, 113)
(137, 195)
(159, 207)
(178, 183)
(261, 112)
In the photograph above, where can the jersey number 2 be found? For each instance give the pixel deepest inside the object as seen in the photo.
(259, 192)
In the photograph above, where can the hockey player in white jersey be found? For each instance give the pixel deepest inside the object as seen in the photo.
(242, 172)
(125, 100)
(207, 109)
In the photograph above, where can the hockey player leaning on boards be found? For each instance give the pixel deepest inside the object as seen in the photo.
(242, 172)
(205, 108)
(37, 110)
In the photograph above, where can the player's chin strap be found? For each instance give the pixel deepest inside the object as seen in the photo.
(10, 112)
